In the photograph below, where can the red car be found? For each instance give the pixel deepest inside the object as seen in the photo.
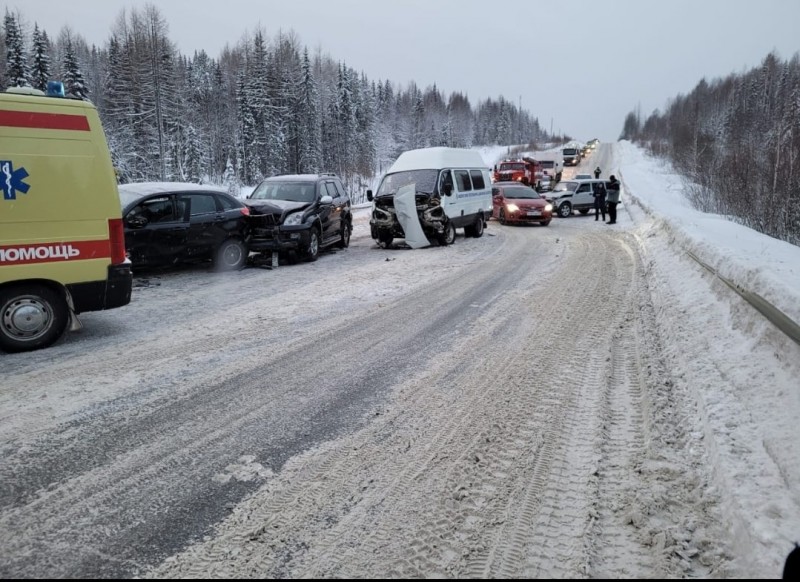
(513, 203)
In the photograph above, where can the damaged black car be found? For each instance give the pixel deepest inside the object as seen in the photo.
(298, 216)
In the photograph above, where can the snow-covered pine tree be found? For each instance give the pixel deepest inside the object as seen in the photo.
(40, 71)
(365, 149)
(309, 134)
(229, 180)
(16, 64)
(247, 159)
(74, 83)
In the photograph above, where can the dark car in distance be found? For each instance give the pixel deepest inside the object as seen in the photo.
(171, 222)
(514, 203)
(299, 215)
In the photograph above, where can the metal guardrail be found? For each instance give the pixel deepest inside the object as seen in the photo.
(777, 317)
(774, 315)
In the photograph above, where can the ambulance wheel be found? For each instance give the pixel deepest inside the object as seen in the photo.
(31, 317)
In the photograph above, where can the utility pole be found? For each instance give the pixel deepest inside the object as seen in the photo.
(519, 121)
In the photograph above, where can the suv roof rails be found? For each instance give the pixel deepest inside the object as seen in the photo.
(327, 173)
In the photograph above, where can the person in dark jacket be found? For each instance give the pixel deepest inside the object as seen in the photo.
(599, 194)
(612, 199)
(597, 171)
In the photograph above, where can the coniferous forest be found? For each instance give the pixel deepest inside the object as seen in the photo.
(265, 106)
(737, 140)
(268, 106)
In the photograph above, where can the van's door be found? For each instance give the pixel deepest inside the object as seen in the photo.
(458, 204)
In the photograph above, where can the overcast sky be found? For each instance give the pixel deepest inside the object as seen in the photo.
(578, 66)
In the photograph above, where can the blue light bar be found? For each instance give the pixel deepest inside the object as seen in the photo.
(55, 89)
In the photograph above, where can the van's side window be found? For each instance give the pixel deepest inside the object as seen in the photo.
(446, 179)
(477, 179)
(463, 181)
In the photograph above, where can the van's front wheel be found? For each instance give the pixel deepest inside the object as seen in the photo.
(448, 237)
(31, 317)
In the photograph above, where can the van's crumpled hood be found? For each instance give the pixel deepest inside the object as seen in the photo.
(405, 205)
(276, 208)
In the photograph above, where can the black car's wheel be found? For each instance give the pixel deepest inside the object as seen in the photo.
(231, 255)
(31, 317)
(565, 210)
(584, 211)
(311, 252)
(385, 240)
(344, 235)
(448, 237)
(502, 217)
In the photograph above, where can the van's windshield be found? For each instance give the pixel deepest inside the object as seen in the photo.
(425, 181)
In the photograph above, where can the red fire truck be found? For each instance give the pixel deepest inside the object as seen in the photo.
(526, 170)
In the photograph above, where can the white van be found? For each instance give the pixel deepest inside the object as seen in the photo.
(428, 193)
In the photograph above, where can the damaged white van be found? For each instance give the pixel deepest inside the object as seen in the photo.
(428, 193)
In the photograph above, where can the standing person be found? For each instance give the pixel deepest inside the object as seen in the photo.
(597, 172)
(612, 198)
(599, 193)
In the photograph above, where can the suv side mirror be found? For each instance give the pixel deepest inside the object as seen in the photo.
(369, 195)
(326, 199)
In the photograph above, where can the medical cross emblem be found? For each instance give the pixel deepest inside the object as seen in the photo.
(11, 180)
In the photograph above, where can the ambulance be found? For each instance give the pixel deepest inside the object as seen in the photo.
(62, 246)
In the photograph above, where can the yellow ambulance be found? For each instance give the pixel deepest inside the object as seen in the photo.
(62, 247)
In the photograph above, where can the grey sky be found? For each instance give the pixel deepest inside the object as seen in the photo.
(581, 65)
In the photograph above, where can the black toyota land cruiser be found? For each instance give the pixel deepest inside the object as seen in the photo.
(299, 215)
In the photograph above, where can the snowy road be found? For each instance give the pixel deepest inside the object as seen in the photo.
(497, 408)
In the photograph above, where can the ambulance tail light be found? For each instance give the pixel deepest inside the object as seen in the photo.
(117, 239)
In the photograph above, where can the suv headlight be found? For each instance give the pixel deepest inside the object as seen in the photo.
(294, 219)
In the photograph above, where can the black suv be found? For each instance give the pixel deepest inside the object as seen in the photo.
(299, 214)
